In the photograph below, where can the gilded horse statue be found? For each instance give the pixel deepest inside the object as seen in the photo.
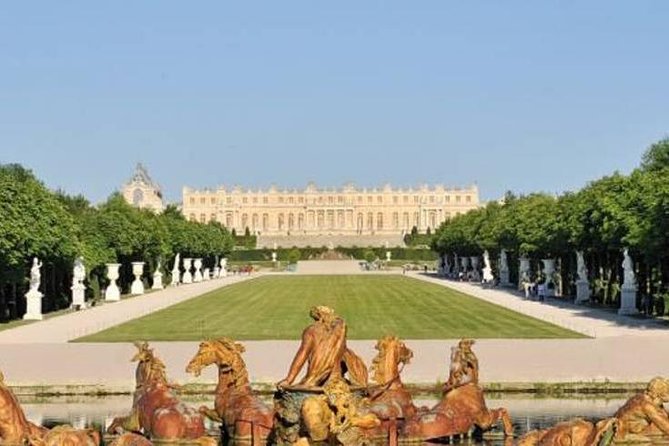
(156, 411)
(244, 415)
(388, 397)
(15, 429)
(462, 406)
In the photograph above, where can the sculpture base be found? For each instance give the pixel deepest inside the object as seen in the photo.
(487, 275)
(224, 273)
(628, 301)
(504, 278)
(288, 405)
(33, 306)
(137, 287)
(157, 282)
(582, 291)
(112, 294)
(198, 277)
(187, 278)
(78, 297)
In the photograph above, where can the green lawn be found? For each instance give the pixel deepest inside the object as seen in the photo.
(278, 308)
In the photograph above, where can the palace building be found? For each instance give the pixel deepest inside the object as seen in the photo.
(142, 191)
(317, 211)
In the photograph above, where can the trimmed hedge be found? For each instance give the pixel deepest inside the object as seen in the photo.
(283, 254)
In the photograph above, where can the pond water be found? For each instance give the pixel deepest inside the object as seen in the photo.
(527, 411)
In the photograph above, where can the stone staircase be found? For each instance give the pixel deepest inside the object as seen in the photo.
(328, 267)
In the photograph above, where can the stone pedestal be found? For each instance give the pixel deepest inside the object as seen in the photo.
(628, 300)
(137, 286)
(157, 281)
(582, 291)
(217, 272)
(197, 277)
(33, 306)
(78, 296)
(112, 293)
(504, 278)
(187, 277)
(206, 274)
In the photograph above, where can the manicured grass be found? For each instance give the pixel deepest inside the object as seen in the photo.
(278, 308)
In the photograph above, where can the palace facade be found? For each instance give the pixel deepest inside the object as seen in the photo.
(142, 191)
(314, 211)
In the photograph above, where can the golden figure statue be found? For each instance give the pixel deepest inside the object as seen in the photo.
(130, 439)
(67, 435)
(574, 432)
(337, 413)
(643, 415)
(388, 397)
(243, 414)
(14, 427)
(462, 406)
(324, 350)
(156, 411)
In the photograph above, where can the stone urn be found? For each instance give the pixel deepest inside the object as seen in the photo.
(549, 272)
(206, 274)
(187, 277)
(137, 286)
(388, 256)
(157, 279)
(476, 274)
(224, 267)
(197, 277)
(112, 293)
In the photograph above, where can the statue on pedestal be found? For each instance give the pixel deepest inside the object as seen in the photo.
(581, 269)
(176, 275)
(157, 278)
(78, 288)
(629, 279)
(33, 296)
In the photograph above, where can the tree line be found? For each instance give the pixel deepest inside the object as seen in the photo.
(601, 219)
(57, 228)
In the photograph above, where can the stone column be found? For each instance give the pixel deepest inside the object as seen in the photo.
(198, 274)
(187, 277)
(112, 293)
(549, 271)
(137, 286)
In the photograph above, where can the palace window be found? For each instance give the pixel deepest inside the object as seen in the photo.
(369, 199)
(416, 199)
(431, 198)
(280, 199)
(396, 199)
(300, 200)
(255, 199)
(359, 198)
(468, 199)
(457, 198)
(191, 217)
(379, 220)
(245, 200)
(213, 200)
(203, 200)
(229, 200)
(203, 218)
(212, 217)
(192, 200)
(379, 199)
(330, 200)
(405, 199)
(370, 220)
(290, 200)
(447, 198)
(396, 219)
(340, 199)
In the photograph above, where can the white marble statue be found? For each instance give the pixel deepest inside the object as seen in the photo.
(224, 267)
(549, 275)
(629, 287)
(581, 269)
(487, 268)
(388, 256)
(157, 278)
(274, 256)
(34, 296)
(176, 275)
(582, 284)
(78, 288)
(504, 268)
(629, 278)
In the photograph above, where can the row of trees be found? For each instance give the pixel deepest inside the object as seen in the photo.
(608, 215)
(56, 227)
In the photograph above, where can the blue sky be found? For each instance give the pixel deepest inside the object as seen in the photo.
(512, 95)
